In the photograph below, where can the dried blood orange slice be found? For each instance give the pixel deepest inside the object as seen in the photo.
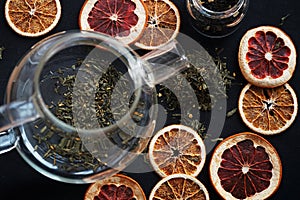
(163, 24)
(179, 186)
(32, 18)
(267, 56)
(115, 187)
(268, 110)
(123, 19)
(177, 149)
(245, 166)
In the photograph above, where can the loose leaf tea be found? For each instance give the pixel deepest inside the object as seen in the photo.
(60, 147)
(209, 84)
(231, 112)
(1, 52)
(101, 88)
(75, 87)
(283, 19)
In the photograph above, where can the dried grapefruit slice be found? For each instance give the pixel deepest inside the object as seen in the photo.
(179, 186)
(177, 149)
(163, 24)
(32, 18)
(267, 56)
(123, 19)
(115, 187)
(245, 166)
(268, 110)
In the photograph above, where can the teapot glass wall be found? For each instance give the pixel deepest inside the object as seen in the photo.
(81, 106)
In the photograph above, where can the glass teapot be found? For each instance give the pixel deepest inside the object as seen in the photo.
(81, 106)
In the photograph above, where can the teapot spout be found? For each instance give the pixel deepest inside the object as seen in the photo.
(164, 63)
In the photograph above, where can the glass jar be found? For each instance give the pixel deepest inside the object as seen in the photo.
(216, 24)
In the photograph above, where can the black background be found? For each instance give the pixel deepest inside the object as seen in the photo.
(19, 181)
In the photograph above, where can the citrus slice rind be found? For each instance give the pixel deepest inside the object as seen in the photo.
(32, 18)
(177, 149)
(118, 186)
(268, 111)
(163, 24)
(267, 56)
(245, 166)
(124, 20)
(179, 186)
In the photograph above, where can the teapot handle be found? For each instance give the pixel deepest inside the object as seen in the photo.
(12, 115)
(164, 62)
(8, 141)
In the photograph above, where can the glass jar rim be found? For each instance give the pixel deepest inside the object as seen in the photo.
(75, 35)
(219, 14)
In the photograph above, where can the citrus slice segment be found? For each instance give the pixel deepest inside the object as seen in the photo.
(267, 56)
(268, 110)
(124, 20)
(115, 187)
(245, 166)
(163, 24)
(32, 18)
(179, 186)
(177, 149)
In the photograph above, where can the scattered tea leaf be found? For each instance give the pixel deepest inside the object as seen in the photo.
(231, 112)
(209, 84)
(1, 52)
(283, 19)
(216, 139)
(197, 126)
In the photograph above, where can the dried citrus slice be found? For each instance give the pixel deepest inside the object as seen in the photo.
(245, 166)
(267, 56)
(123, 19)
(115, 187)
(177, 149)
(268, 110)
(32, 18)
(163, 24)
(179, 186)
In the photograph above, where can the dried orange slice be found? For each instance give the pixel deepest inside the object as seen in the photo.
(123, 19)
(267, 56)
(245, 166)
(268, 110)
(177, 149)
(115, 187)
(32, 18)
(163, 24)
(179, 186)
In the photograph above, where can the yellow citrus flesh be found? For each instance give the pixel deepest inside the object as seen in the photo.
(179, 186)
(163, 24)
(32, 18)
(177, 149)
(268, 110)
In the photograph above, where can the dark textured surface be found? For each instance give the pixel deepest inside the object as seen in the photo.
(19, 181)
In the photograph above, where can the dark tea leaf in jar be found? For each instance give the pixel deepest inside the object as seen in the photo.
(218, 5)
(216, 18)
